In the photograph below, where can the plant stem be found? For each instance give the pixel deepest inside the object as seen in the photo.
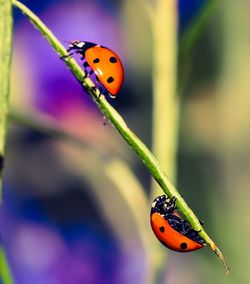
(165, 101)
(116, 120)
(5, 61)
(5, 274)
(188, 39)
(148, 8)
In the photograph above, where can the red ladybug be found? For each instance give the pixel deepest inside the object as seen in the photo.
(103, 62)
(171, 229)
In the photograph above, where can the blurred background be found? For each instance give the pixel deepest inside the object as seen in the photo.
(76, 199)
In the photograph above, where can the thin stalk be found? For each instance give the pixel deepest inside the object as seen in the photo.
(165, 101)
(188, 39)
(117, 121)
(195, 29)
(5, 274)
(148, 8)
(5, 62)
(133, 195)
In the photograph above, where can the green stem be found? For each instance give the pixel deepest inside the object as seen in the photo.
(148, 8)
(188, 39)
(165, 101)
(116, 120)
(5, 274)
(195, 29)
(5, 61)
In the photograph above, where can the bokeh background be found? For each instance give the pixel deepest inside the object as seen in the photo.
(68, 214)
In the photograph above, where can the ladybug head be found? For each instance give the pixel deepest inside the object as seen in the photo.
(76, 44)
(163, 205)
(80, 46)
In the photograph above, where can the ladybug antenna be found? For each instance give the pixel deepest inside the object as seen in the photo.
(69, 42)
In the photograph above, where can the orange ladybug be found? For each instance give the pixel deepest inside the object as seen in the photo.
(171, 229)
(102, 61)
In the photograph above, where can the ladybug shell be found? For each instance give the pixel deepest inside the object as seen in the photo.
(170, 237)
(107, 66)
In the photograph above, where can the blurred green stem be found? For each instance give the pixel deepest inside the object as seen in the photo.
(196, 27)
(134, 194)
(165, 101)
(188, 39)
(5, 274)
(117, 121)
(147, 8)
(5, 62)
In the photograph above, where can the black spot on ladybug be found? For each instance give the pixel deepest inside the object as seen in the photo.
(162, 229)
(1, 163)
(96, 60)
(112, 59)
(110, 79)
(183, 246)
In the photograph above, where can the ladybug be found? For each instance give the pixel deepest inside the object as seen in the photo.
(171, 229)
(102, 61)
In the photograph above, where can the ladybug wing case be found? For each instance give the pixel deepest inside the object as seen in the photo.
(107, 66)
(170, 237)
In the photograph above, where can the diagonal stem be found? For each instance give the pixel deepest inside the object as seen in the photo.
(5, 61)
(5, 274)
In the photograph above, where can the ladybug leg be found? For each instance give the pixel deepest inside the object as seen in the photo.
(173, 200)
(99, 86)
(87, 73)
(186, 228)
(67, 55)
(85, 65)
(197, 231)
(71, 51)
(97, 82)
(201, 222)
(182, 226)
(171, 205)
(176, 223)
